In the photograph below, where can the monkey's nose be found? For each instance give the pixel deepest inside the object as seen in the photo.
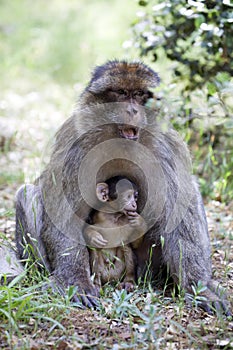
(132, 110)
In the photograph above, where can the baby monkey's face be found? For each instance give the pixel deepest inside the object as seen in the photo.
(122, 198)
(128, 201)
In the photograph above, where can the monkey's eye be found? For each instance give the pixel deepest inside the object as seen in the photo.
(122, 92)
(136, 196)
(139, 93)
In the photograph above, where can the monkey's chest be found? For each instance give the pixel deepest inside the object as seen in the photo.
(112, 256)
(111, 265)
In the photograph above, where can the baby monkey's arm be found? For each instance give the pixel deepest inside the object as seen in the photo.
(94, 238)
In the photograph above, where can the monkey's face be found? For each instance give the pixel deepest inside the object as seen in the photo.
(125, 86)
(130, 111)
(126, 201)
(120, 195)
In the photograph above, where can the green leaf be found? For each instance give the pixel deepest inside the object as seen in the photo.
(223, 77)
(142, 3)
(211, 89)
(199, 20)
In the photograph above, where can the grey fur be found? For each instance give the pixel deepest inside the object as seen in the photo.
(61, 210)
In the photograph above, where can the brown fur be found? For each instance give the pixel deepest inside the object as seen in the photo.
(111, 259)
(186, 249)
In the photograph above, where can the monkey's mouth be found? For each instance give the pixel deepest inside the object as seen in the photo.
(129, 132)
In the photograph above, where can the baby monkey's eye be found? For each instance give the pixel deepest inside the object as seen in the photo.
(136, 196)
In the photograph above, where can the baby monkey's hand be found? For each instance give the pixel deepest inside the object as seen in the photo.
(96, 240)
(134, 218)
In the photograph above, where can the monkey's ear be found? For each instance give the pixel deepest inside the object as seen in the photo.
(102, 192)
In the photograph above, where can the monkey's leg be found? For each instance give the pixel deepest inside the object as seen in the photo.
(129, 279)
(29, 221)
(97, 265)
(187, 252)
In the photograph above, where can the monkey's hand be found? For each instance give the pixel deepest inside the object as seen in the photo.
(96, 240)
(135, 220)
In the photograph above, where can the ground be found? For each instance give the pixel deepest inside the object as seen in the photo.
(146, 319)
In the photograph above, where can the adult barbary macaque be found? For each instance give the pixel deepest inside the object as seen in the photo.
(115, 223)
(111, 133)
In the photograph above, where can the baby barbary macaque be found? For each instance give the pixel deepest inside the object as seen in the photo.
(114, 230)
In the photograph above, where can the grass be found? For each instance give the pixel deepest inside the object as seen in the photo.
(47, 52)
(34, 316)
(24, 310)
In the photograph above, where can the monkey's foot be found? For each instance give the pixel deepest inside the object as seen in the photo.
(128, 286)
(213, 299)
(216, 299)
(89, 298)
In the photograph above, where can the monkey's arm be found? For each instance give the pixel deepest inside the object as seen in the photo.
(61, 256)
(69, 265)
(94, 238)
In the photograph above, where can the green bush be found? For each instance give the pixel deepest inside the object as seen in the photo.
(195, 34)
(196, 38)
